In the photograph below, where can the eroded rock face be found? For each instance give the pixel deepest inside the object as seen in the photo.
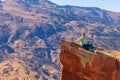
(79, 64)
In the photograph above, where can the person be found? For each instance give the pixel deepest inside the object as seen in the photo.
(84, 43)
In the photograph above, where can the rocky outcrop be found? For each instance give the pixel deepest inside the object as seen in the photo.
(79, 64)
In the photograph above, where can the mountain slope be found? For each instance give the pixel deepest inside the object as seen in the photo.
(32, 31)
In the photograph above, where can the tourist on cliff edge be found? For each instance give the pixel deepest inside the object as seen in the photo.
(84, 43)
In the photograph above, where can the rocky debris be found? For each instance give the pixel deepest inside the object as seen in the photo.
(79, 64)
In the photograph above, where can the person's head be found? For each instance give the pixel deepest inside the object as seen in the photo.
(83, 34)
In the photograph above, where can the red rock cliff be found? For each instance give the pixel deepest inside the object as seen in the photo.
(79, 64)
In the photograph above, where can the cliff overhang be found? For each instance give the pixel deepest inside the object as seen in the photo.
(79, 64)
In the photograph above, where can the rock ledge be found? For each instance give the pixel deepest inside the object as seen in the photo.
(79, 64)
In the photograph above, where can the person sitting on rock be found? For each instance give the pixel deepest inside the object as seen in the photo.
(84, 43)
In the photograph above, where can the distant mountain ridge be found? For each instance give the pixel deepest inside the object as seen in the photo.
(31, 32)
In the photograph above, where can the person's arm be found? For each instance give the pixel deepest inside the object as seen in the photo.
(78, 41)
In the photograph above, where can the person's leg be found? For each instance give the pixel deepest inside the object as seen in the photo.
(85, 46)
(91, 48)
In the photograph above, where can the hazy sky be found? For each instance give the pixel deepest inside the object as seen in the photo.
(111, 5)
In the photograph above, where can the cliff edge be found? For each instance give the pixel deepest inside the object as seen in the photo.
(79, 64)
